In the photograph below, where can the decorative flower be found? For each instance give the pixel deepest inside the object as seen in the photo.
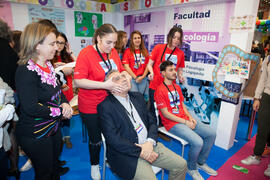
(48, 78)
(55, 112)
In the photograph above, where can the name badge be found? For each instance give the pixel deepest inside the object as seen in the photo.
(175, 110)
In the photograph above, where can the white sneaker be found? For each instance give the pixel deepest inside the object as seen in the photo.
(26, 166)
(207, 169)
(195, 174)
(95, 173)
(267, 171)
(251, 160)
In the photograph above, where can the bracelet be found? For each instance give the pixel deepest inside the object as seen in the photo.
(136, 77)
(185, 122)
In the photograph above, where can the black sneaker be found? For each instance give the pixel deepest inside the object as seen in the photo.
(63, 170)
(62, 163)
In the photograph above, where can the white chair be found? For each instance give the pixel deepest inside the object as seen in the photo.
(164, 131)
(155, 169)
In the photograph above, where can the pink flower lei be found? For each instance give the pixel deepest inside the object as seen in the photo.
(48, 78)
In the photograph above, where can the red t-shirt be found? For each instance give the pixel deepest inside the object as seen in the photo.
(137, 67)
(68, 93)
(90, 66)
(164, 99)
(178, 58)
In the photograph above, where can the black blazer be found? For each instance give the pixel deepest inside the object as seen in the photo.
(122, 153)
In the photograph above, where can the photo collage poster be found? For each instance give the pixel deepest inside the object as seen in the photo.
(206, 32)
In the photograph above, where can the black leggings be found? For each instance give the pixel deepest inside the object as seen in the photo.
(44, 154)
(92, 123)
(263, 125)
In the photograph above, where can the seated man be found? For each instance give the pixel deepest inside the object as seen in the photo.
(177, 120)
(131, 136)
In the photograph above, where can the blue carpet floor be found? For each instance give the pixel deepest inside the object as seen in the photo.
(78, 157)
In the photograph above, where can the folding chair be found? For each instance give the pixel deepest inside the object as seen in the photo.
(164, 131)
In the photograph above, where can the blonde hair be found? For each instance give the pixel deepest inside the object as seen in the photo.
(33, 34)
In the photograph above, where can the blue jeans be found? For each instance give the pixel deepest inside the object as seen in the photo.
(200, 139)
(140, 87)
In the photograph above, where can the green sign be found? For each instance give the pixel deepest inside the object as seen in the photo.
(86, 23)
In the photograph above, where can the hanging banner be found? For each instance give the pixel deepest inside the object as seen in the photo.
(84, 5)
(206, 32)
(6, 14)
(86, 23)
(150, 24)
(135, 5)
(57, 16)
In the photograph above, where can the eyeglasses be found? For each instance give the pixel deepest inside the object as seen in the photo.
(60, 43)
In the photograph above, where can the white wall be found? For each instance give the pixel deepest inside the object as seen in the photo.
(21, 19)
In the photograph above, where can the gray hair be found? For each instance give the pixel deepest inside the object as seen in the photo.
(5, 32)
(110, 73)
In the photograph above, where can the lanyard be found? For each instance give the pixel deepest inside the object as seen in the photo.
(108, 66)
(164, 52)
(136, 60)
(174, 100)
(131, 113)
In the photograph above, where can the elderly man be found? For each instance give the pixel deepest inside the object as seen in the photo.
(131, 136)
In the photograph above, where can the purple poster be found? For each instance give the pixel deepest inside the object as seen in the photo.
(150, 24)
(206, 32)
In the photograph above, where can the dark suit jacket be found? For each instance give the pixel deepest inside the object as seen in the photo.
(119, 133)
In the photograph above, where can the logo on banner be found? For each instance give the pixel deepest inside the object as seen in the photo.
(105, 68)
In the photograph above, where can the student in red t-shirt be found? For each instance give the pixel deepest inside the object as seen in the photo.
(135, 59)
(92, 64)
(62, 56)
(165, 52)
(121, 43)
(178, 121)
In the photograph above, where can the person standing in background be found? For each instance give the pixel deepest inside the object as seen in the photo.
(165, 52)
(9, 58)
(62, 56)
(135, 60)
(262, 105)
(121, 43)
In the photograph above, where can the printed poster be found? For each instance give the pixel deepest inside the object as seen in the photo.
(86, 23)
(6, 14)
(57, 16)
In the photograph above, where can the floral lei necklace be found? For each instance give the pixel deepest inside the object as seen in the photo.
(48, 78)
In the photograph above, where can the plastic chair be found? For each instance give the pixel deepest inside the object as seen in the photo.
(155, 169)
(164, 131)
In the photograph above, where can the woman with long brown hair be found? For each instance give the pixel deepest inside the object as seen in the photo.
(135, 60)
(63, 56)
